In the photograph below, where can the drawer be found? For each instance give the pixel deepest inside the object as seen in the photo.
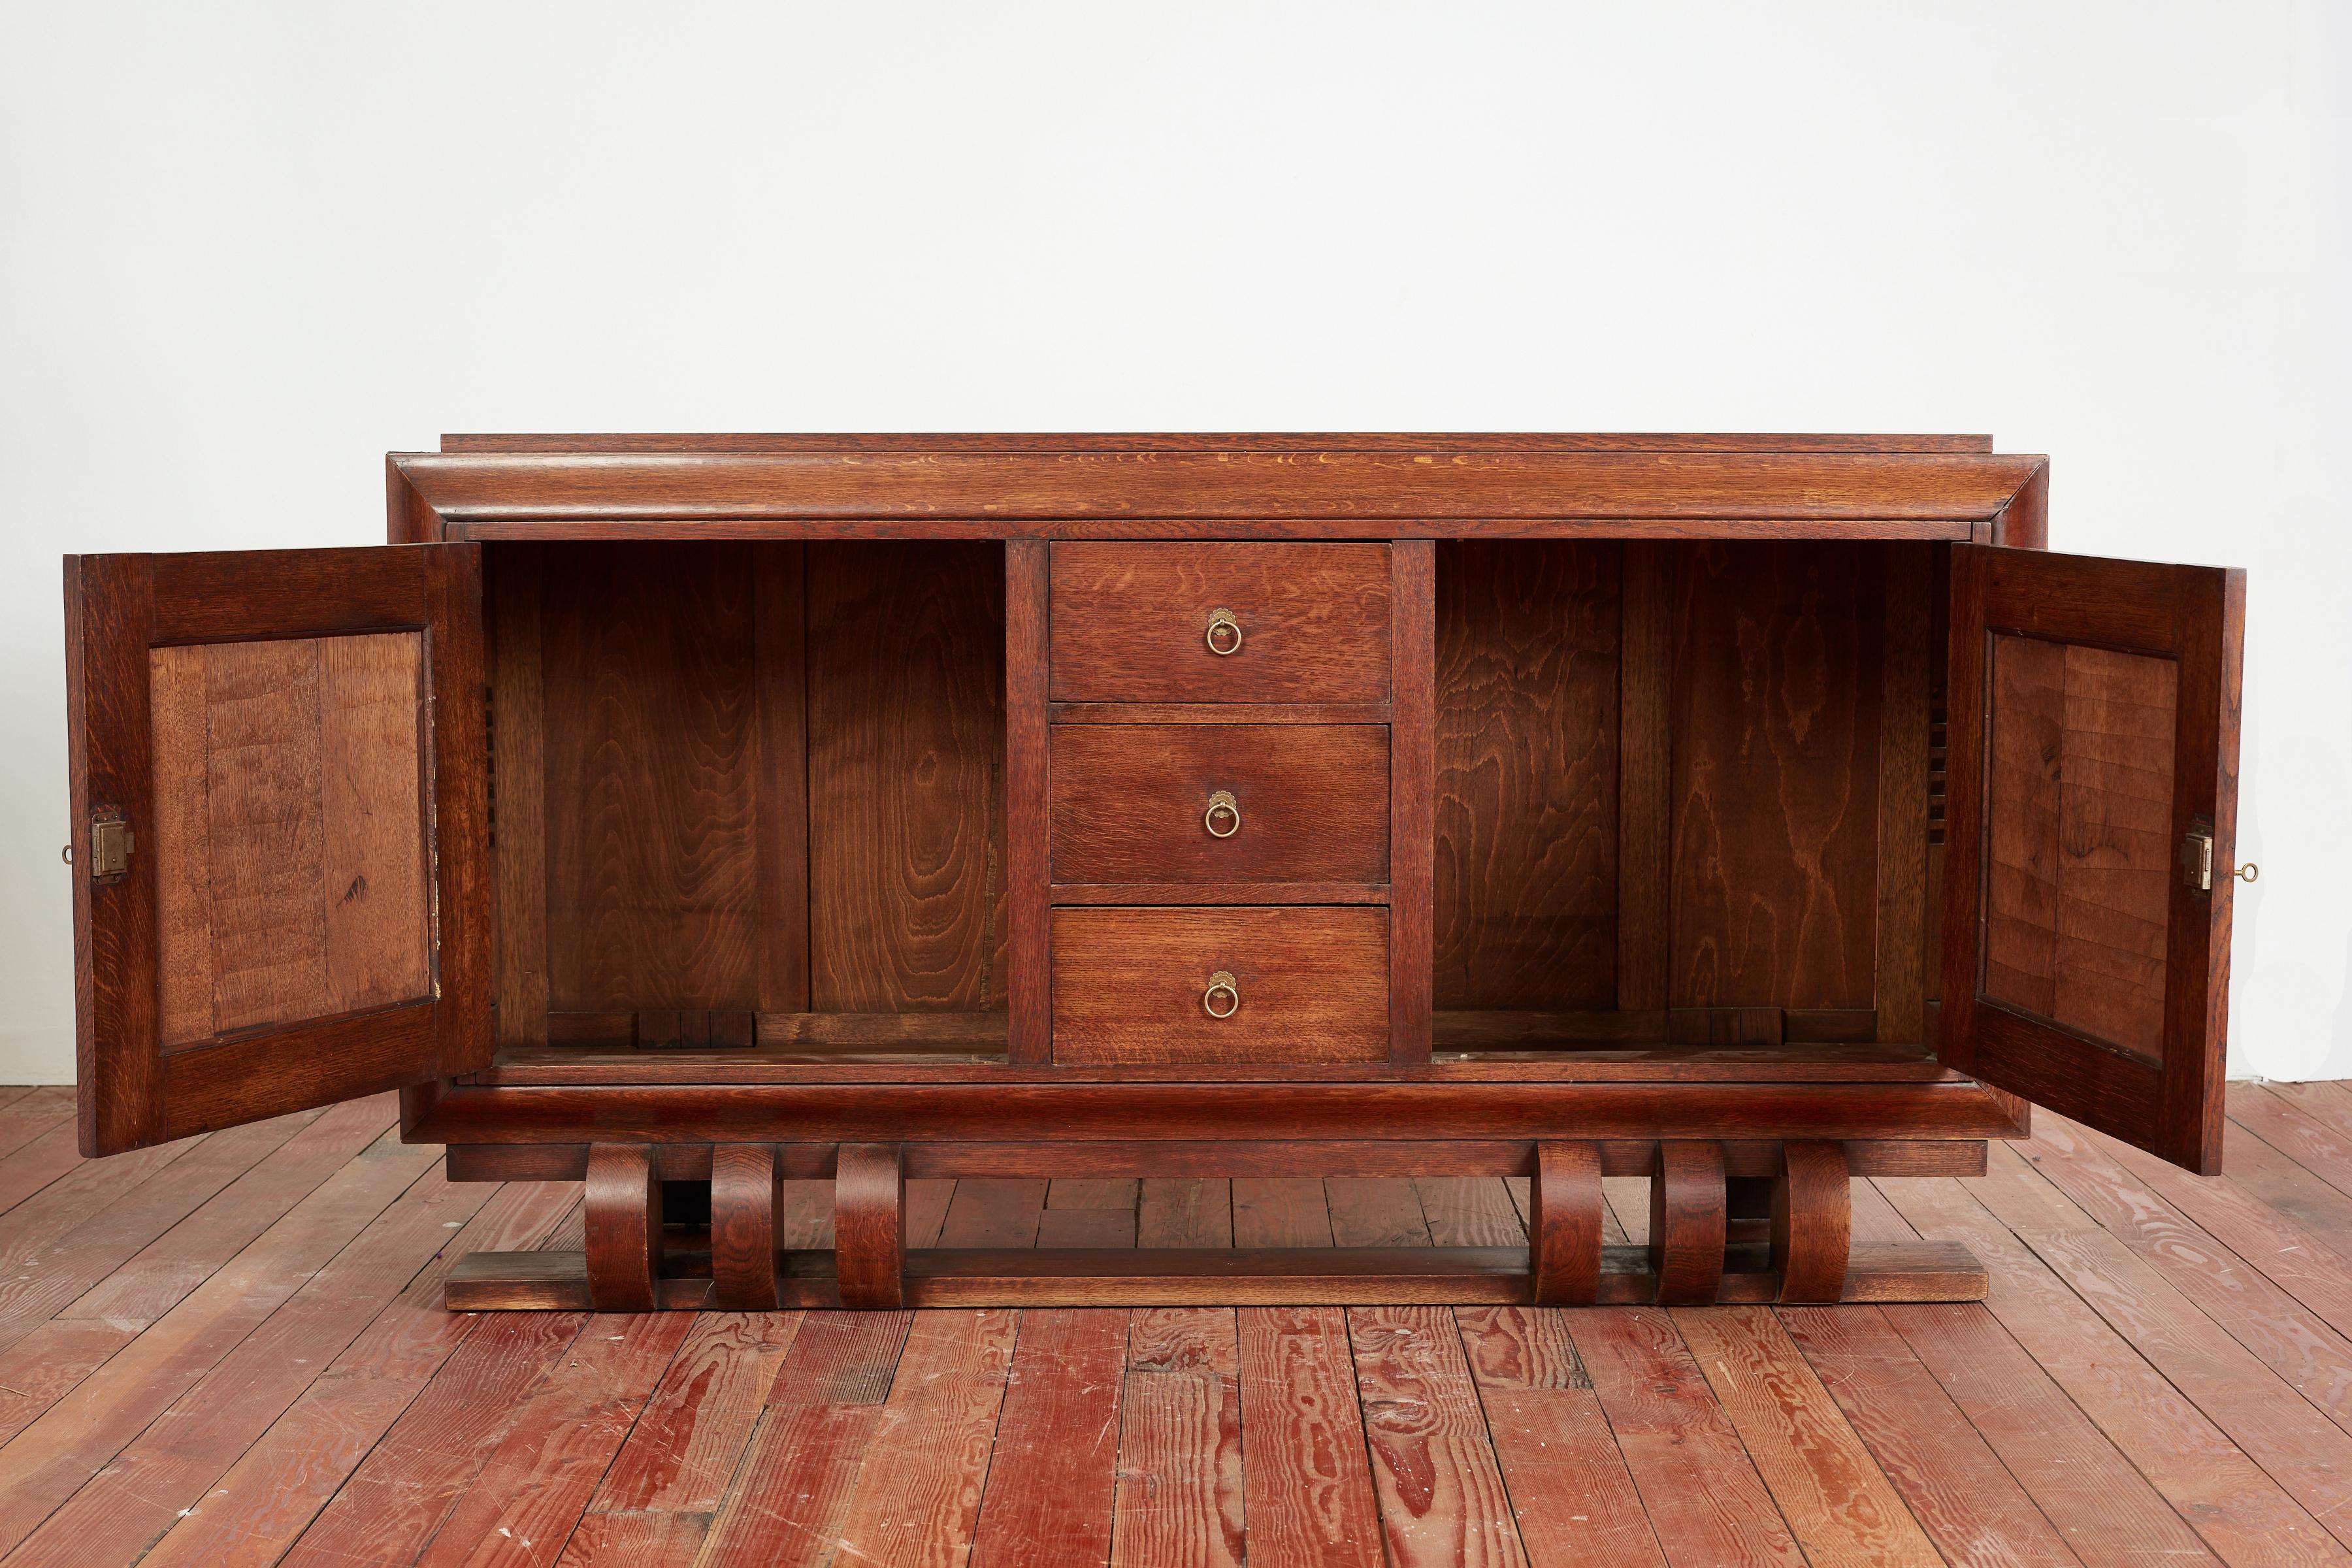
(1307, 984)
(1130, 623)
(1309, 803)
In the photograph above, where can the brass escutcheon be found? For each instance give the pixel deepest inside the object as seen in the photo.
(1225, 810)
(1221, 984)
(1224, 634)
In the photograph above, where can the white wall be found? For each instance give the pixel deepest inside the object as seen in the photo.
(247, 248)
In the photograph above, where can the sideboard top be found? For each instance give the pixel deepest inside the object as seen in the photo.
(1376, 485)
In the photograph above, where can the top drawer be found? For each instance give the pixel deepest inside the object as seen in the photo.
(1309, 623)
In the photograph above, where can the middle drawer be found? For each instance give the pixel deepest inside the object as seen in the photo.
(1220, 803)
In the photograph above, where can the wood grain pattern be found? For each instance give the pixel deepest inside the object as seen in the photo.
(1054, 1468)
(1688, 1219)
(1703, 1497)
(1312, 803)
(1180, 1495)
(1127, 985)
(780, 655)
(1028, 833)
(746, 1208)
(292, 849)
(1307, 1492)
(1441, 1492)
(2094, 825)
(2189, 621)
(1564, 1224)
(1575, 1502)
(1130, 623)
(1775, 754)
(1905, 694)
(1838, 1504)
(1413, 806)
(907, 869)
(624, 1235)
(1812, 1219)
(918, 1491)
(518, 792)
(652, 777)
(1180, 493)
(869, 1227)
(1645, 784)
(1528, 721)
(1955, 1485)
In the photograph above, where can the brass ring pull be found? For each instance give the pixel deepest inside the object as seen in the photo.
(1225, 810)
(67, 852)
(2248, 872)
(1224, 634)
(1221, 984)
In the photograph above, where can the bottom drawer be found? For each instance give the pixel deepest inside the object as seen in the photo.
(1305, 984)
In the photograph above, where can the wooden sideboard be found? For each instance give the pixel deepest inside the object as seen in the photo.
(689, 815)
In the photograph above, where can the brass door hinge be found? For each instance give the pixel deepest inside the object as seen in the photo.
(110, 847)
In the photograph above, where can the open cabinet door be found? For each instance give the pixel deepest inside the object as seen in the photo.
(281, 836)
(2092, 802)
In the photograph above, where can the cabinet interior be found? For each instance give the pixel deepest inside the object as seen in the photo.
(750, 793)
(749, 796)
(1688, 793)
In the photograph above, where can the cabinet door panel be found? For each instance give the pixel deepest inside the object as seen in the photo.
(280, 831)
(2093, 798)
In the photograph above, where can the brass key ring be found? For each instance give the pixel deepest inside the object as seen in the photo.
(1222, 808)
(1222, 981)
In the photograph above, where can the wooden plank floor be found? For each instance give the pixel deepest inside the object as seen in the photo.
(230, 1351)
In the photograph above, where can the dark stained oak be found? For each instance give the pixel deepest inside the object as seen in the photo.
(907, 857)
(1564, 1225)
(1811, 1221)
(1309, 803)
(869, 1225)
(624, 1235)
(746, 1210)
(1308, 985)
(1688, 1219)
(805, 809)
(1526, 820)
(1130, 623)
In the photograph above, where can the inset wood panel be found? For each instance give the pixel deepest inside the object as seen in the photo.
(1130, 622)
(1311, 985)
(1311, 803)
(2081, 826)
(1775, 725)
(651, 725)
(293, 845)
(906, 779)
(1526, 774)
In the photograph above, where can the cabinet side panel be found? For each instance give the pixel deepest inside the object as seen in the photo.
(1775, 760)
(651, 777)
(906, 748)
(1527, 694)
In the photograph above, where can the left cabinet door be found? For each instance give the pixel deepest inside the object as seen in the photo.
(280, 834)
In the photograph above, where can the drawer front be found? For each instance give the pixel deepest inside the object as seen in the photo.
(1131, 623)
(1294, 803)
(1307, 984)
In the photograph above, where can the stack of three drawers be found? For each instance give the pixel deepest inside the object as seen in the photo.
(1220, 801)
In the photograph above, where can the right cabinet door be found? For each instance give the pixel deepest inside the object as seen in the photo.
(2091, 804)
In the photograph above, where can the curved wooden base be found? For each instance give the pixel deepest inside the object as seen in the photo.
(746, 1186)
(1812, 1222)
(1699, 1250)
(1688, 1223)
(623, 1224)
(869, 1225)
